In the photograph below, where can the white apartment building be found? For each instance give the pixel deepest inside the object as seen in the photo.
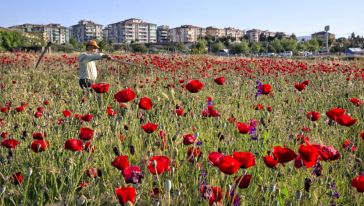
(54, 33)
(132, 30)
(86, 30)
(187, 33)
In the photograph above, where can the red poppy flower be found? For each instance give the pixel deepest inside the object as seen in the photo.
(270, 161)
(259, 107)
(300, 86)
(345, 120)
(327, 152)
(193, 152)
(220, 80)
(309, 155)
(121, 162)
(356, 102)
(38, 114)
(86, 117)
(110, 111)
(335, 112)
(228, 164)
(158, 164)
(93, 172)
(243, 181)
(283, 154)
(346, 143)
(132, 174)
(179, 111)
(67, 113)
(125, 95)
(145, 103)
(266, 88)
(306, 82)
(194, 86)
(39, 135)
(243, 128)
(125, 194)
(214, 158)
(188, 139)
(46, 102)
(212, 194)
(9, 143)
(358, 183)
(313, 116)
(362, 135)
(100, 87)
(246, 159)
(40, 109)
(73, 145)
(17, 178)
(149, 127)
(4, 135)
(4, 109)
(269, 108)
(39, 145)
(20, 108)
(86, 133)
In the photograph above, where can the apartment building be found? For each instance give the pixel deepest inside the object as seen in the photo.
(163, 34)
(234, 33)
(254, 34)
(214, 32)
(187, 34)
(86, 30)
(54, 33)
(321, 36)
(132, 30)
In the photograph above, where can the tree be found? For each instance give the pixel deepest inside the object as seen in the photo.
(301, 46)
(340, 45)
(11, 39)
(180, 47)
(289, 44)
(141, 48)
(313, 45)
(217, 47)
(200, 47)
(240, 48)
(277, 45)
(256, 47)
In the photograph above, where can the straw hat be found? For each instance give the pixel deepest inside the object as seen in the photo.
(92, 43)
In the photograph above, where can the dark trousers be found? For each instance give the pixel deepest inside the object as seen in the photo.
(85, 83)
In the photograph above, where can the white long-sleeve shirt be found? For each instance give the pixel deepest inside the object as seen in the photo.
(87, 65)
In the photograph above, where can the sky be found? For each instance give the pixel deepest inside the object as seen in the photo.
(292, 16)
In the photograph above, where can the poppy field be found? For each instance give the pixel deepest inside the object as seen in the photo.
(181, 130)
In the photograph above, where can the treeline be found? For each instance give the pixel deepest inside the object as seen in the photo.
(10, 40)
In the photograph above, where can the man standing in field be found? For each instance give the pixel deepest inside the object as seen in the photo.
(88, 71)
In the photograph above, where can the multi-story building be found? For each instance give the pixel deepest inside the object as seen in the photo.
(254, 34)
(54, 33)
(234, 33)
(86, 30)
(163, 34)
(106, 33)
(132, 30)
(321, 36)
(215, 32)
(187, 34)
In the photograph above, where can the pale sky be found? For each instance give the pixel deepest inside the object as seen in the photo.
(300, 17)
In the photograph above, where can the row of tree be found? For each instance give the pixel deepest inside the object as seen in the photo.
(10, 40)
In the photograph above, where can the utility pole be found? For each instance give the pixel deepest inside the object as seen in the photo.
(327, 28)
